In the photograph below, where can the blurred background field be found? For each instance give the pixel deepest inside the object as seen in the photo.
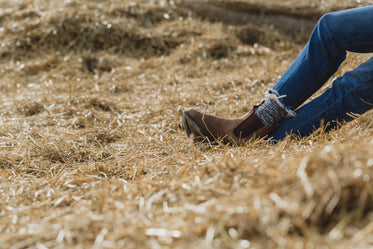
(92, 148)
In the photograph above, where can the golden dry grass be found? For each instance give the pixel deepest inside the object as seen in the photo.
(93, 152)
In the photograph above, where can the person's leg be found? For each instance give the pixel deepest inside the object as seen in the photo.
(351, 93)
(334, 34)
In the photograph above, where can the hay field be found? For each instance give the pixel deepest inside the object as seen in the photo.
(92, 149)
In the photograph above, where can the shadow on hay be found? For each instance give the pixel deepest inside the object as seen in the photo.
(258, 23)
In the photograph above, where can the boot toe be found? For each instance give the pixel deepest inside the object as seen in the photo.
(188, 126)
(194, 124)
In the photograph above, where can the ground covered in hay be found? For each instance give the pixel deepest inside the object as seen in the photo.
(92, 148)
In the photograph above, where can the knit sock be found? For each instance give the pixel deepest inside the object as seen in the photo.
(271, 111)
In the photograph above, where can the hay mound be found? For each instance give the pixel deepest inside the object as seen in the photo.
(81, 33)
(71, 29)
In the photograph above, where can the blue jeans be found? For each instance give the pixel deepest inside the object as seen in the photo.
(334, 34)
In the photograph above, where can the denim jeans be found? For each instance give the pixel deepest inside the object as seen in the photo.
(334, 34)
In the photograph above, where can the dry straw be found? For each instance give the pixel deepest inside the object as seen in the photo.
(92, 149)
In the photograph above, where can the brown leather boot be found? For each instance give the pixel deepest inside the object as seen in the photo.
(226, 130)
